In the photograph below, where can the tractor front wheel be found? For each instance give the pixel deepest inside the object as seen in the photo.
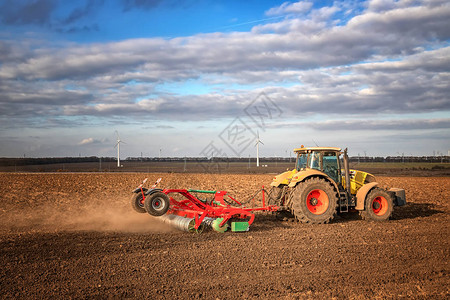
(314, 201)
(157, 204)
(378, 206)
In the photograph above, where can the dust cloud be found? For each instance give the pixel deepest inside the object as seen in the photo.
(106, 217)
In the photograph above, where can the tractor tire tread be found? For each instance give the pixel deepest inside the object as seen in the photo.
(300, 211)
(367, 213)
(162, 208)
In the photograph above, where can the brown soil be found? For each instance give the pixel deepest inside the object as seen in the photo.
(76, 236)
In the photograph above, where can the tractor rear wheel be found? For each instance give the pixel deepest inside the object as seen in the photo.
(157, 204)
(314, 201)
(378, 206)
(137, 202)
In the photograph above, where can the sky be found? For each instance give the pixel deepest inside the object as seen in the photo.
(207, 78)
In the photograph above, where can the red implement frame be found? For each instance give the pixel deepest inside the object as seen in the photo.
(191, 207)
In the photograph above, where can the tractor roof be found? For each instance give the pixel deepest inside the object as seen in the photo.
(307, 149)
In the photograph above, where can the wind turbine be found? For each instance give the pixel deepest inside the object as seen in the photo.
(258, 141)
(118, 148)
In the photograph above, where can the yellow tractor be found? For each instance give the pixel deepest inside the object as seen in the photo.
(321, 185)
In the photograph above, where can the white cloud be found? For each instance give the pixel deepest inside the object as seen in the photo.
(299, 7)
(381, 5)
(89, 141)
(86, 141)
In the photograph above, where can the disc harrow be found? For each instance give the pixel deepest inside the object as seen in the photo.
(182, 209)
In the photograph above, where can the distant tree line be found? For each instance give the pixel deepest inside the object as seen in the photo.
(401, 159)
(4, 162)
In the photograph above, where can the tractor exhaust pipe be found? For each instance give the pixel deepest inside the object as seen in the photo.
(347, 172)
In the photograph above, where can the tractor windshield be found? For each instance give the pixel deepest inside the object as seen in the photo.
(302, 160)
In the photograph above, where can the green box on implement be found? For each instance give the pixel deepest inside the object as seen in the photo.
(239, 226)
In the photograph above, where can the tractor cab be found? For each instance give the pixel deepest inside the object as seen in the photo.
(323, 159)
(312, 159)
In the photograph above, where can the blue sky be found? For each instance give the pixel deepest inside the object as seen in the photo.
(201, 77)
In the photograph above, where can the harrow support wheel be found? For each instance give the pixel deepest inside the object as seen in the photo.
(157, 204)
(137, 202)
(314, 201)
(216, 225)
(378, 206)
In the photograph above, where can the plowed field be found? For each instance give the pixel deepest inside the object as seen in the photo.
(76, 236)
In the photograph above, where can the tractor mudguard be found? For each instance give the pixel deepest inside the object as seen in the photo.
(303, 175)
(362, 193)
(300, 176)
(283, 178)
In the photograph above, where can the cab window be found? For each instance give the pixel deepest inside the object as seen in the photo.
(302, 160)
(331, 165)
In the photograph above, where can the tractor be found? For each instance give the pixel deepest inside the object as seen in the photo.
(322, 185)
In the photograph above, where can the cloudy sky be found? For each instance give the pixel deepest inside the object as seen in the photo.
(205, 77)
